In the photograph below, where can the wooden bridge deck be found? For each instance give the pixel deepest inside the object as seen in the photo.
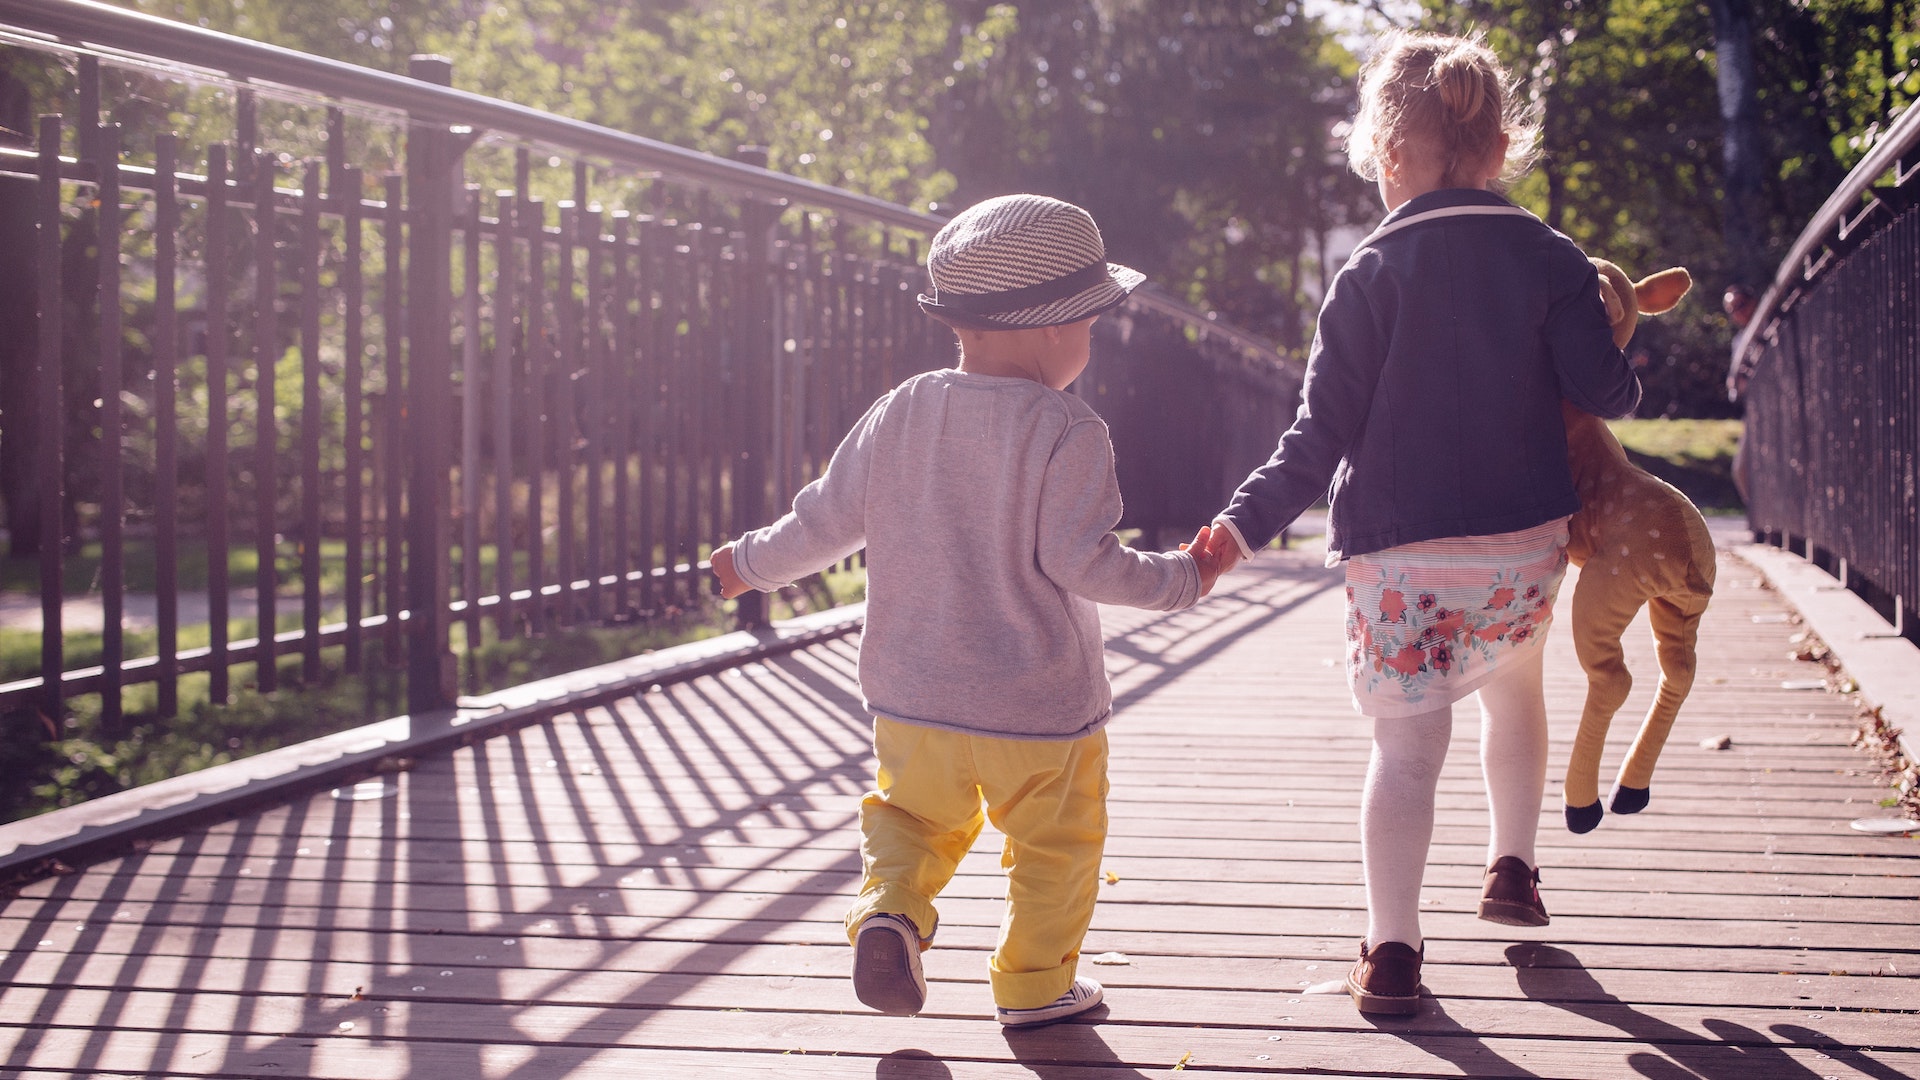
(654, 888)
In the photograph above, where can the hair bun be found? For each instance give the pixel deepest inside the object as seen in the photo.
(1461, 83)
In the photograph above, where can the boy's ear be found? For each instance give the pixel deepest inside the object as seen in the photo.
(1657, 293)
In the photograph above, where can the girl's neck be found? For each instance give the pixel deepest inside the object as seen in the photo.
(1409, 175)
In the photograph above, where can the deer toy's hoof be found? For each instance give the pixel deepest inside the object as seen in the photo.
(1631, 800)
(1584, 819)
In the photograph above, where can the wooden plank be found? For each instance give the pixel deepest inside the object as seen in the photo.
(974, 924)
(290, 845)
(1866, 958)
(1435, 1043)
(634, 975)
(653, 895)
(1135, 880)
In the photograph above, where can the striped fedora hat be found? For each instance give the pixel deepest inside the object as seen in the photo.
(1021, 261)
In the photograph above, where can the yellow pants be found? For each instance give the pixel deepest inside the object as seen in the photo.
(1048, 798)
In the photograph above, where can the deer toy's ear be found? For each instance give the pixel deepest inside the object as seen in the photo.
(1657, 293)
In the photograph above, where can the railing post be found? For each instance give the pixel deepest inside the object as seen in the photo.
(50, 399)
(432, 168)
(754, 375)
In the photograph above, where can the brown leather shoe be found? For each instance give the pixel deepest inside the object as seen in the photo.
(1511, 894)
(1386, 978)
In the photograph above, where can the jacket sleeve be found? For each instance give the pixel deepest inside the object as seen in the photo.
(828, 520)
(1594, 374)
(1343, 372)
(1074, 542)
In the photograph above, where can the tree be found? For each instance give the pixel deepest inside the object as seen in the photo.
(837, 92)
(1742, 155)
(1200, 135)
(1654, 156)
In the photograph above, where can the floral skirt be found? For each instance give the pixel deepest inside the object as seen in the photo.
(1430, 622)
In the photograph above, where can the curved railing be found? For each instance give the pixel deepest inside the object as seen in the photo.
(492, 411)
(1829, 372)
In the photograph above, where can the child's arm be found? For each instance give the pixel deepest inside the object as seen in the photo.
(827, 523)
(1343, 370)
(1074, 542)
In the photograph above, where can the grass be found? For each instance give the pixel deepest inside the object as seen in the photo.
(74, 758)
(80, 570)
(1680, 442)
(1695, 456)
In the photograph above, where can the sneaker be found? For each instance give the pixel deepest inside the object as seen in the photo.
(1084, 994)
(1386, 978)
(1511, 894)
(886, 965)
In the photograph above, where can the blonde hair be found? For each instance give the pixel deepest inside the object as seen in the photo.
(1447, 97)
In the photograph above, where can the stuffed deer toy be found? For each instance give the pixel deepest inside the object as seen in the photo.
(1638, 543)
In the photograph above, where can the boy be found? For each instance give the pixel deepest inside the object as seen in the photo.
(985, 499)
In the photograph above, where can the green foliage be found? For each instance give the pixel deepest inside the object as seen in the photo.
(381, 35)
(837, 92)
(1200, 136)
(1633, 142)
(499, 664)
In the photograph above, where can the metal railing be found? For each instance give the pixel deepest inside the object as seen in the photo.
(419, 403)
(1829, 371)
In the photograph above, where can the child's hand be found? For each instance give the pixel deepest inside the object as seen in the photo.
(726, 580)
(1211, 560)
(1224, 545)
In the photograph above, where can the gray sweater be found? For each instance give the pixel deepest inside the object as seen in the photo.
(986, 506)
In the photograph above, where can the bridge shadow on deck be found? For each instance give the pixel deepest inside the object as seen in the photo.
(657, 884)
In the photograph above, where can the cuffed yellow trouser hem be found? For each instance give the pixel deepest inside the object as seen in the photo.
(893, 899)
(1031, 989)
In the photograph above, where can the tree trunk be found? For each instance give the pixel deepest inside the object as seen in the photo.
(1742, 153)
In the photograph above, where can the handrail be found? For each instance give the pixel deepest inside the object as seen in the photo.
(1835, 219)
(103, 27)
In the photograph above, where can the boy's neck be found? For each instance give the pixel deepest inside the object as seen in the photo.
(1006, 353)
(1004, 367)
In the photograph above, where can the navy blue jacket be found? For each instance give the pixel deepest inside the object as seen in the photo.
(1432, 396)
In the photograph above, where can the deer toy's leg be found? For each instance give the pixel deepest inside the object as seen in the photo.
(1676, 629)
(1602, 609)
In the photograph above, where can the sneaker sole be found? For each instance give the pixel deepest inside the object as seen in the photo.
(1507, 913)
(1382, 1004)
(883, 975)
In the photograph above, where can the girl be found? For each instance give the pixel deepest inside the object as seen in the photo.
(1432, 405)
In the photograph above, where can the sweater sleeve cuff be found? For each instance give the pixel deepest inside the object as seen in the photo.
(743, 565)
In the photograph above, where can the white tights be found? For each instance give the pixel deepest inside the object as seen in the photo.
(1396, 806)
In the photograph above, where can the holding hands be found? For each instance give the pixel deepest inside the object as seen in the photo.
(1215, 552)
